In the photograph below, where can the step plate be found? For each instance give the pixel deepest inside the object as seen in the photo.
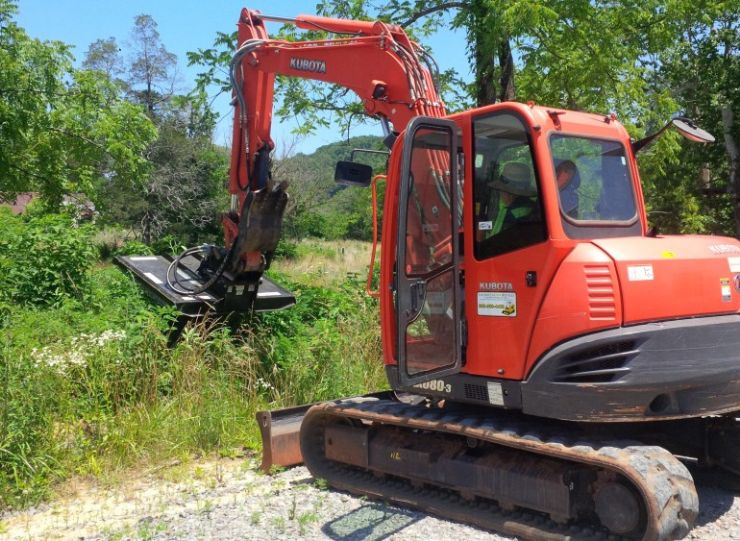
(151, 271)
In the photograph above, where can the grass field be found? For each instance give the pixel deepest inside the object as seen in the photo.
(91, 388)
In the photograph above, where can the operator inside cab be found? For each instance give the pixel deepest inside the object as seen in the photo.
(568, 179)
(509, 216)
(514, 193)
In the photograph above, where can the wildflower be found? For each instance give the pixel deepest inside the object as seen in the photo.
(81, 349)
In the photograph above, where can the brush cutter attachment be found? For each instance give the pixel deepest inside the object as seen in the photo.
(223, 280)
(151, 272)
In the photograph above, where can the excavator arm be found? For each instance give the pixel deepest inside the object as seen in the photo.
(393, 77)
(377, 61)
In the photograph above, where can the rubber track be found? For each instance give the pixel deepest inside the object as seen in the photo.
(666, 486)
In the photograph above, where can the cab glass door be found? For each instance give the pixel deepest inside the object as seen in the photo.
(428, 296)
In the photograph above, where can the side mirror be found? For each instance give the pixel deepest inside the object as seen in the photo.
(353, 174)
(685, 127)
(691, 131)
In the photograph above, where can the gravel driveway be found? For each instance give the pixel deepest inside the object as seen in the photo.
(229, 499)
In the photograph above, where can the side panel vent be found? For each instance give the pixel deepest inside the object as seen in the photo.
(600, 364)
(476, 392)
(600, 287)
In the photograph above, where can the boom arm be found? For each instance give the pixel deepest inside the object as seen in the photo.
(376, 60)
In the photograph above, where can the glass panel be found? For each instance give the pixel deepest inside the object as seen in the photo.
(593, 179)
(430, 338)
(508, 214)
(428, 217)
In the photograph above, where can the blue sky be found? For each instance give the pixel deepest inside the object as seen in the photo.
(187, 25)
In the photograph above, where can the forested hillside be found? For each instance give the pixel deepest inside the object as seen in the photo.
(319, 207)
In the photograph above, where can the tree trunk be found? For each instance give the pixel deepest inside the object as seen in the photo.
(733, 154)
(146, 228)
(492, 82)
(506, 63)
(485, 88)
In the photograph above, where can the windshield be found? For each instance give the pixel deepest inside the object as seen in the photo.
(593, 180)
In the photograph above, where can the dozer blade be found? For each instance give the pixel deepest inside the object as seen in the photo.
(281, 431)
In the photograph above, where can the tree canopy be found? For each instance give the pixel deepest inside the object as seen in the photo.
(61, 129)
(114, 129)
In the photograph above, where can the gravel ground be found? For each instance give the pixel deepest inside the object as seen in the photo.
(229, 499)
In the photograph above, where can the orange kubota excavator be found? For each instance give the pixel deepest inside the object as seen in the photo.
(555, 363)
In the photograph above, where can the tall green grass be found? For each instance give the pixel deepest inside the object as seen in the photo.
(89, 386)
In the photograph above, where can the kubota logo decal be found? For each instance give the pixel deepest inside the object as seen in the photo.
(304, 64)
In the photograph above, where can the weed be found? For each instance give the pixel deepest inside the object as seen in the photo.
(276, 469)
(291, 512)
(115, 536)
(279, 523)
(204, 507)
(148, 530)
(304, 519)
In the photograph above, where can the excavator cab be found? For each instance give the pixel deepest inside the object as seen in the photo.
(520, 266)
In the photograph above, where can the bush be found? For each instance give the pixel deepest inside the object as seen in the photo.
(109, 240)
(167, 245)
(286, 249)
(134, 247)
(43, 260)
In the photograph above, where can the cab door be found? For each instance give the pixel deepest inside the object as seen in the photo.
(510, 262)
(428, 295)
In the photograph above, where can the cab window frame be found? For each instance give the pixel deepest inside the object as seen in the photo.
(527, 130)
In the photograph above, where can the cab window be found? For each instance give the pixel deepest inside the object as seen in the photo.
(594, 184)
(507, 213)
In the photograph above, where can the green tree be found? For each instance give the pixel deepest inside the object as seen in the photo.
(61, 130)
(693, 188)
(152, 67)
(185, 188)
(104, 55)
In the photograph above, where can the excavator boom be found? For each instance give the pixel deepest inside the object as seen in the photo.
(394, 80)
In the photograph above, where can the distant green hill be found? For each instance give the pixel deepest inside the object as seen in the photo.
(321, 208)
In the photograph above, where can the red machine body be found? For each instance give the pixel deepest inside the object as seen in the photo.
(577, 279)
(583, 284)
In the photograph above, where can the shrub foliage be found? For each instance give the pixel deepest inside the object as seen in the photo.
(90, 385)
(43, 259)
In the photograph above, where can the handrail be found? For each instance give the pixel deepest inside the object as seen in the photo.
(371, 269)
